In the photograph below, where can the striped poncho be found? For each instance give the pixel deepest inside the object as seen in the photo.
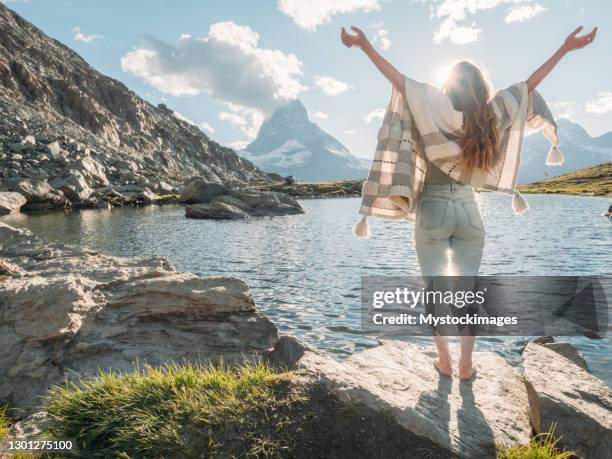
(423, 127)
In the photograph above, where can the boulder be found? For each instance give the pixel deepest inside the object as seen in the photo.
(198, 190)
(74, 186)
(399, 379)
(267, 203)
(241, 203)
(53, 149)
(93, 172)
(163, 188)
(39, 194)
(74, 311)
(11, 202)
(215, 211)
(566, 396)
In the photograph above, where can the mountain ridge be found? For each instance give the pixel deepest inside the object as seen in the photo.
(49, 91)
(579, 149)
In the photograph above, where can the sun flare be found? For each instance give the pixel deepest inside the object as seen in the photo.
(441, 75)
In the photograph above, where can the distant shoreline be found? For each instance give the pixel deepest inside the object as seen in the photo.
(352, 188)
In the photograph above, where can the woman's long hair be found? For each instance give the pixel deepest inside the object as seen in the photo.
(469, 92)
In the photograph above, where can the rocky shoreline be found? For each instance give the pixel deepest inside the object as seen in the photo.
(69, 312)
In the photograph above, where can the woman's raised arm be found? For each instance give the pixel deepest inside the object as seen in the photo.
(572, 42)
(359, 40)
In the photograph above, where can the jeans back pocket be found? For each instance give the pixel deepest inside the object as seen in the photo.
(432, 213)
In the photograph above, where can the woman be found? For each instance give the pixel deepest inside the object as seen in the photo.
(435, 145)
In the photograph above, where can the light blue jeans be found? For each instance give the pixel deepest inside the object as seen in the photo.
(448, 223)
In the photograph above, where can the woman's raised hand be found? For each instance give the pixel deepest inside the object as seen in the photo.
(358, 40)
(573, 41)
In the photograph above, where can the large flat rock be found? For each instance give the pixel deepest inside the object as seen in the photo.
(562, 393)
(467, 419)
(67, 311)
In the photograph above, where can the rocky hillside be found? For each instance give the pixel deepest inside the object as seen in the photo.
(290, 144)
(596, 180)
(48, 94)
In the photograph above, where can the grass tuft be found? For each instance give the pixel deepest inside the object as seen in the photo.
(4, 423)
(543, 446)
(174, 411)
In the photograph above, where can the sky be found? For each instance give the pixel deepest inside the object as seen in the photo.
(226, 65)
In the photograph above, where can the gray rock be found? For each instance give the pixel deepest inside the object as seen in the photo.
(215, 211)
(30, 428)
(75, 311)
(40, 194)
(53, 149)
(198, 190)
(565, 395)
(164, 188)
(268, 203)
(11, 202)
(399, 379)
(93, 172)
(569, 352)
(74, 187)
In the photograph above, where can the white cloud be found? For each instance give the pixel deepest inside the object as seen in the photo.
(330, 86)
(248, 120)
(522, 13)
(238, 144)
(203, 126)
(226, 64)
(454, 15)
(382, 38)
(377, 114)
(601, 105)
(312, 13)
(563, 109)
(80, 36)
(320, 115)
(458, 34)
(350, 132)
(233, 118)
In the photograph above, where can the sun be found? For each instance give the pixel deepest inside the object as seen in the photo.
(441, 75)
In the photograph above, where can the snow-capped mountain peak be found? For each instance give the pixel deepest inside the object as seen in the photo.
(289, 143)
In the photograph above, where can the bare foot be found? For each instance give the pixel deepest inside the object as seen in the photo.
(444, 366)
(466, 371)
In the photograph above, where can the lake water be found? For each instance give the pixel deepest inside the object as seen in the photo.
(305, 270)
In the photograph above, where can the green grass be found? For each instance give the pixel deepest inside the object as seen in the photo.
(4, 423)
(596, 180)
(543, 446)
(176, 411)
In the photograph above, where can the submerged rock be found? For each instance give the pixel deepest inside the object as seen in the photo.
(11, 202)
(215, 211)
(241, 203)
(565, 395)
(74, 311)
(398, 378)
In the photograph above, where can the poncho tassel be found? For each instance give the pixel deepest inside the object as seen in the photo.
(519, 203)
(361, 229)
(555, 157)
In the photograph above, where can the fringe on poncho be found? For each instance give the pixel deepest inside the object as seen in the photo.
(423, 127)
